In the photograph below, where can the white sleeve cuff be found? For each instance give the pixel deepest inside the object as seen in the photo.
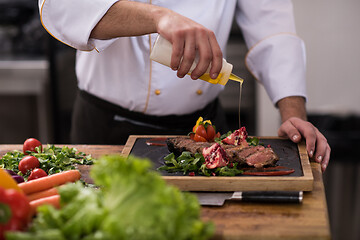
(71, 26)
(279, 63)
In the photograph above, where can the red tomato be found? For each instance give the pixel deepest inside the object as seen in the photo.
(13, 225)
(192, 135)
(198, 138)
(28, 163)
(201, 131)
(19, 204)
(194, 130)
(210, 131)
(37, 173)
(30, 144)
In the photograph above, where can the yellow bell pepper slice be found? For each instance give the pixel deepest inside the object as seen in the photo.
(201, 121)
(7, 182)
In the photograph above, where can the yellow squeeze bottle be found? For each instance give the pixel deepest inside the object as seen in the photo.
(162, 51)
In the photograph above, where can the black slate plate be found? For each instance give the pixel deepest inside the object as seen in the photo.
(286, 150)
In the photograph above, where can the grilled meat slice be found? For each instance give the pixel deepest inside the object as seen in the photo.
(178, 145)
(256, 156)
(239, 154)
(262, 158)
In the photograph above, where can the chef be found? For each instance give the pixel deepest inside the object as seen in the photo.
(123, 92)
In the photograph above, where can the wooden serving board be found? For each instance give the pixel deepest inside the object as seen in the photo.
(291, 155)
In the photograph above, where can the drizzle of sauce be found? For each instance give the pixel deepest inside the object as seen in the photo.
(156, 142)
(241, 81)
(240, 93)
(269, 171)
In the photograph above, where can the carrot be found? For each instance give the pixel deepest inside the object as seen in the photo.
(52, 200)
(46, 193)
(44, 183)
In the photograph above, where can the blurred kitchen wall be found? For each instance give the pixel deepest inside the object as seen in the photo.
(331, 32)
(25, 108)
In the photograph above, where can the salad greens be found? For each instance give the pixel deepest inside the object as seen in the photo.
(195, 165)
(132, 202)
(52, 159)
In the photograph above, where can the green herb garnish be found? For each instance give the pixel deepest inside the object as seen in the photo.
(195, 164)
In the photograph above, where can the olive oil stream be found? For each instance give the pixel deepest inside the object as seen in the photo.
(206, 77)
(241, 81)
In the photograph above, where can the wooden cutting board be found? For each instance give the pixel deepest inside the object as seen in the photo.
(291, 155)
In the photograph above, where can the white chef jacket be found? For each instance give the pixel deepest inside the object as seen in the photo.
(121, 72)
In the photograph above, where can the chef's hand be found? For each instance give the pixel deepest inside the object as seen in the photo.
(316, 144)
(187, 38)
(295, 127)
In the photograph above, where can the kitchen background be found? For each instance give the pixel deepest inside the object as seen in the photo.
(38, 85)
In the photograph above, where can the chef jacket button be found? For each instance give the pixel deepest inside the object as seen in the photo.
(199, 92)
(157, 92)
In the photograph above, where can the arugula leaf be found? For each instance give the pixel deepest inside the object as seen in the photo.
(253, 141)
(229, 171)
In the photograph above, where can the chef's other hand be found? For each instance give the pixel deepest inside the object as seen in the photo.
(187, 38)
(316, 144)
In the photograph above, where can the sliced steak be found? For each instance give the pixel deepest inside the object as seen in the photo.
(178, 145)
(239, 154)
(262, 158)
(256, 156)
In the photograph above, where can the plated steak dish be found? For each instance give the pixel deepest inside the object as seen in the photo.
(205, 152)
(254, 156)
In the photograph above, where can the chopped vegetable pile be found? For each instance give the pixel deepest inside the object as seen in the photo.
(203, 131)
(131, 203)
(52, 160)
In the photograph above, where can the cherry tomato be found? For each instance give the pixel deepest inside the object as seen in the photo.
(37, 173)
(201, 131)
(192, 135)
(198, 138)
(28, 163)
(30, 144)
(210, 131)
(194, 128)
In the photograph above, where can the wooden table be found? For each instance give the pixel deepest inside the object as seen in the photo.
(237, 220)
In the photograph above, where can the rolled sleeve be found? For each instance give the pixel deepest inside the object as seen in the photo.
(71, 21)
(279, 63)
(277, 56)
